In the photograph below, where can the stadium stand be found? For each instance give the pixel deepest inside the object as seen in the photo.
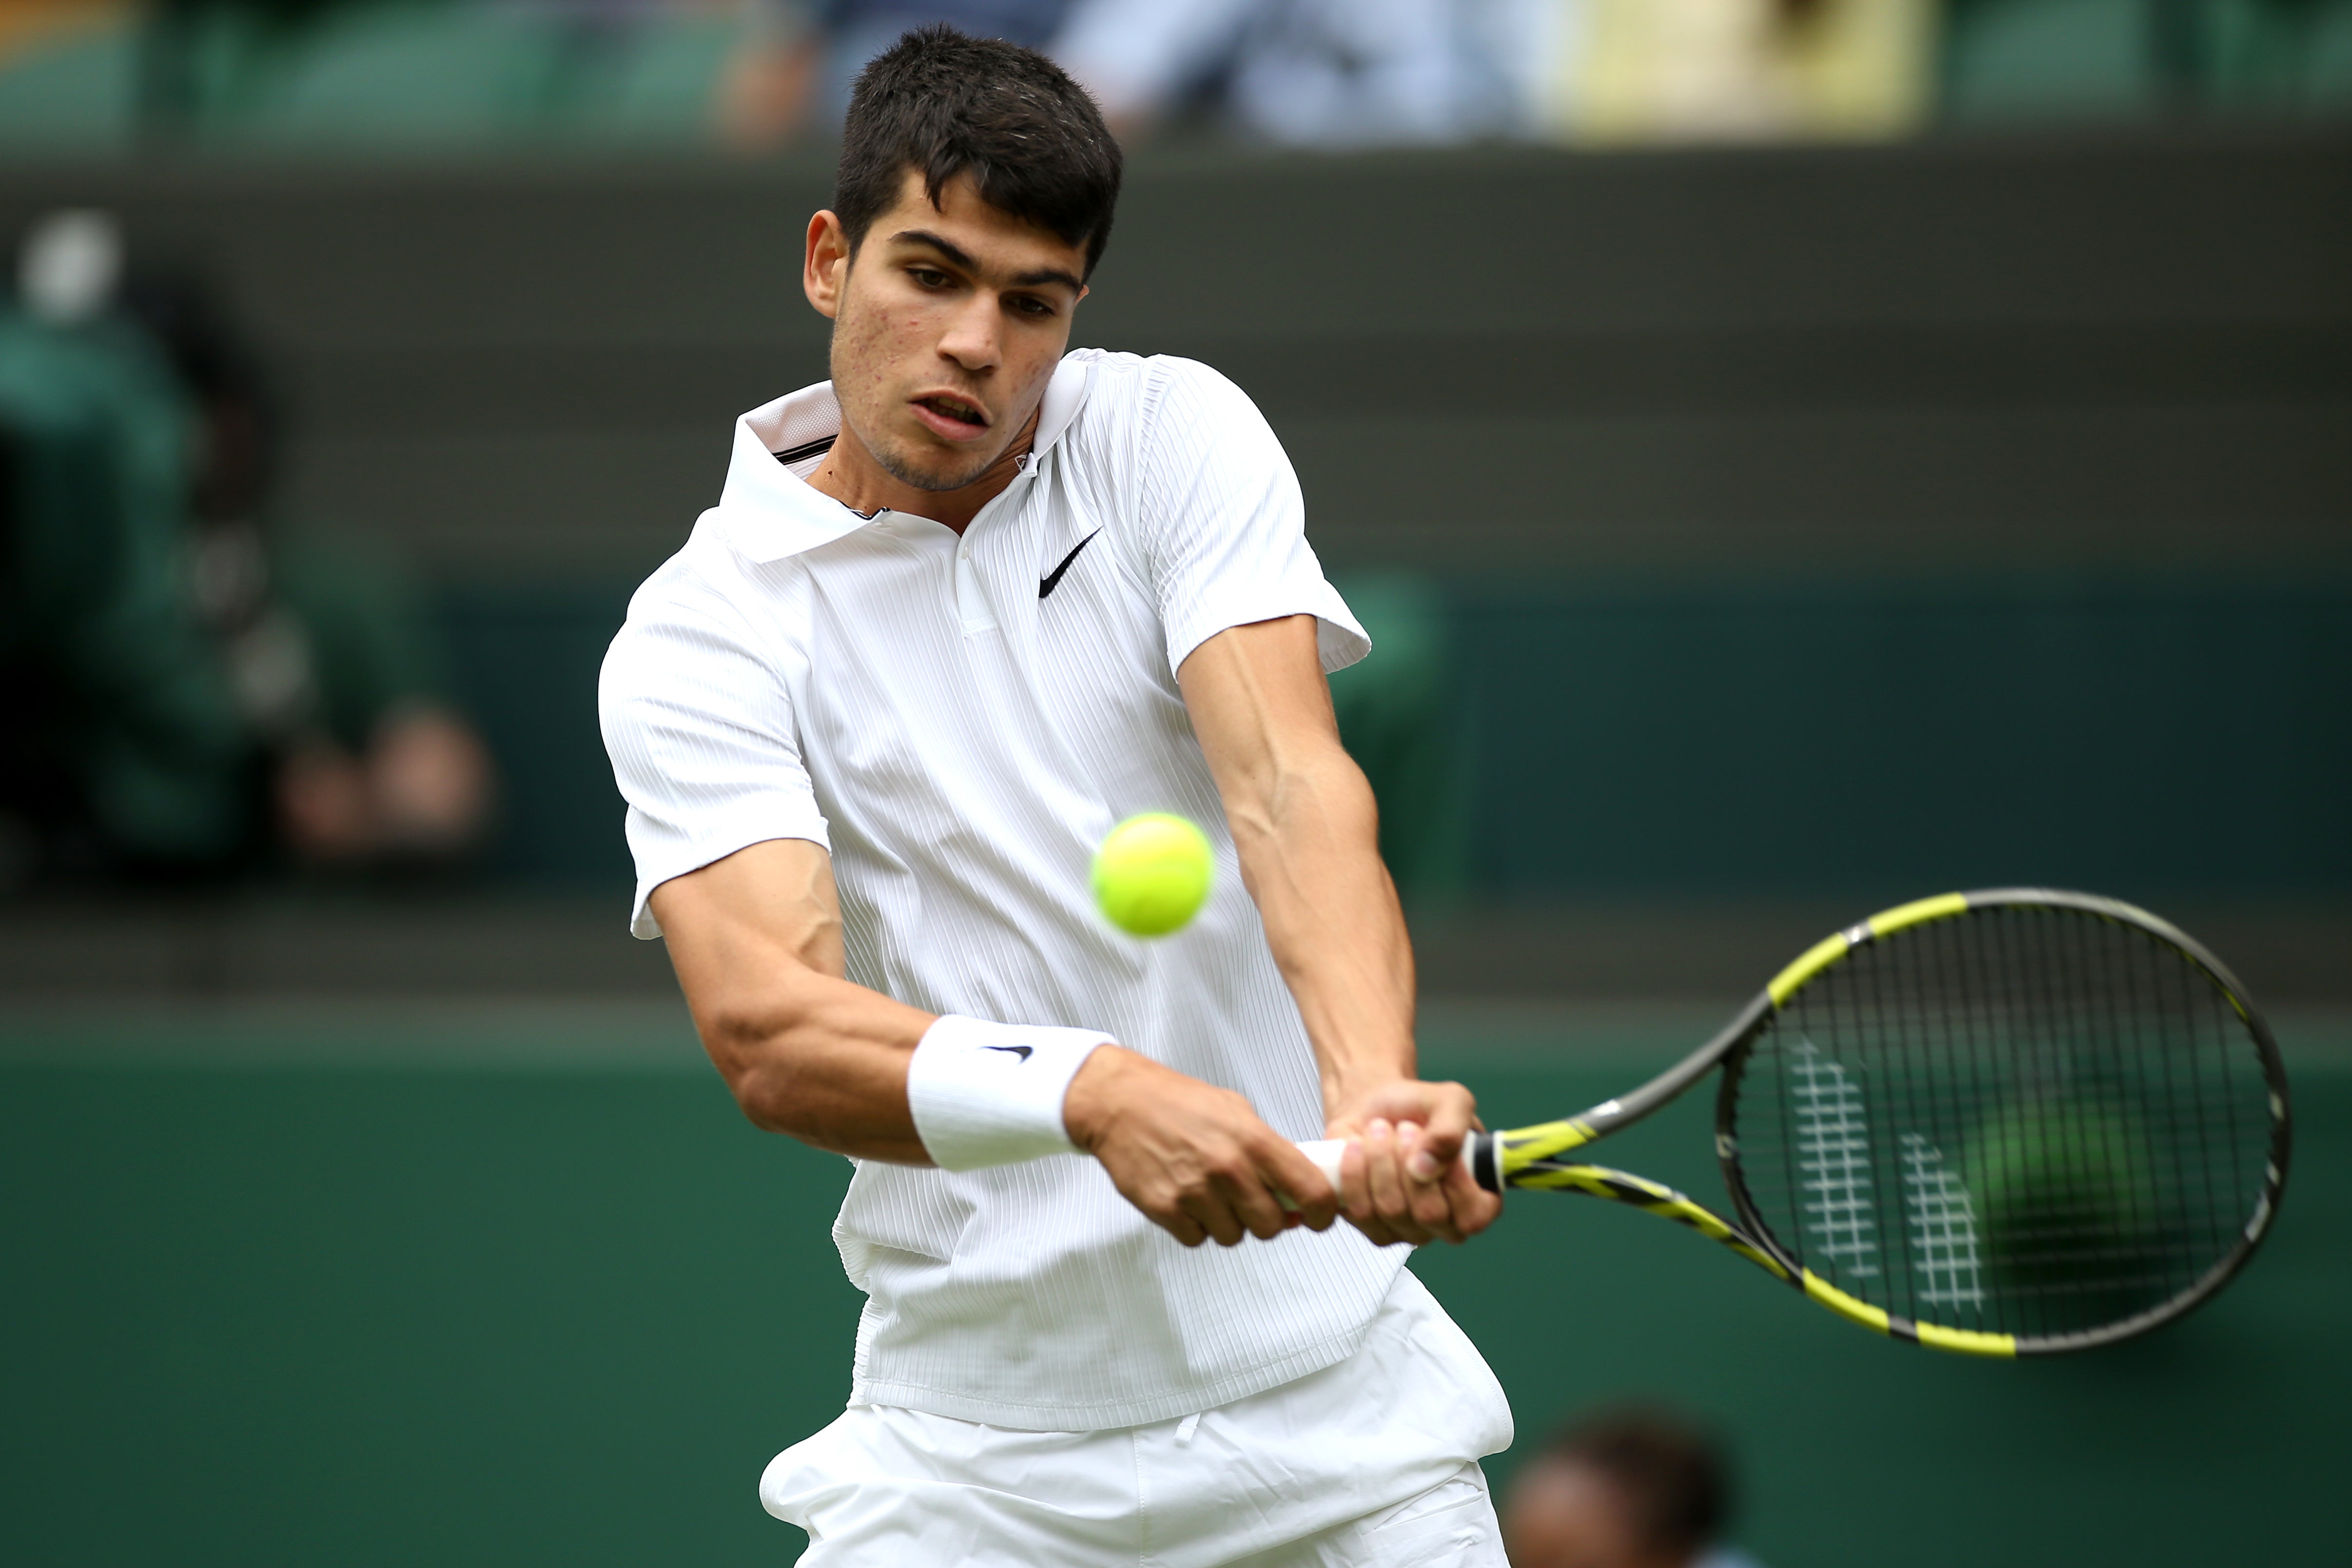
(322, 75)
(2048, 399)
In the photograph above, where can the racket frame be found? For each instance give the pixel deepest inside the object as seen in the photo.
(1530, 1156)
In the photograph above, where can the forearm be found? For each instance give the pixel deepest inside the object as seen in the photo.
(822, 1061)
(1308, 837)
(756, 939)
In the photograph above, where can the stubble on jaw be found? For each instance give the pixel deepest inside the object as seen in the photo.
(855, 341)
(892, 465)
(896, 465)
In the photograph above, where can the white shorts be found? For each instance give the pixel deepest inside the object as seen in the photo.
(1372, 1463)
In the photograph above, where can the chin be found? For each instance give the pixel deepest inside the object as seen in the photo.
(935, 469)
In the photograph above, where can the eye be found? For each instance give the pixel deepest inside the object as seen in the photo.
(1030, 306)
(928, 277)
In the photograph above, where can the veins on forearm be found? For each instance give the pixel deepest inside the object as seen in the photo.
(1310, 857)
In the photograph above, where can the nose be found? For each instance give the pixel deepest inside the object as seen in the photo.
(971, 339)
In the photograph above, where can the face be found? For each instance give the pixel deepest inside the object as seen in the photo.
(948, 324)
(1561, 1515)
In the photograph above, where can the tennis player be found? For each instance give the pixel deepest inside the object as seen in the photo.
(959, 611)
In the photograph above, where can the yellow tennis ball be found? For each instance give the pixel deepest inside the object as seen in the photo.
(1151, 875)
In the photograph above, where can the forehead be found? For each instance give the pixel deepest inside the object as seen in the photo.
(991, 236)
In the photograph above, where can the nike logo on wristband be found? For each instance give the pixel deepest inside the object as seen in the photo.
(1020, 1051)
(1047, 584)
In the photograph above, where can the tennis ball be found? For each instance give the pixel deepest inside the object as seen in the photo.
(1151, 875)
(2065, 1197)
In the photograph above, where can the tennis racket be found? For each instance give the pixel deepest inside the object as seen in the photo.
(2006, 1124)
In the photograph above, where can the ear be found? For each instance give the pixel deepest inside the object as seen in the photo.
(825, 268)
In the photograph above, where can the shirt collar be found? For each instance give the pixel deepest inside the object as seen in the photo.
(769, 511)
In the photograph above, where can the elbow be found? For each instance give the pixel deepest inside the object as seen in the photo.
(748, 1051)
(1325, 795)
(764, 1100)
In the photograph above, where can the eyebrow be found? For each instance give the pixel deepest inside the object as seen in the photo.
(963, 258)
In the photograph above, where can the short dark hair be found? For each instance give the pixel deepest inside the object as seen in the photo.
(1671, 1478)
(947, 104)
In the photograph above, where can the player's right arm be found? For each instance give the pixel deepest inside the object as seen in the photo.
(756, 939)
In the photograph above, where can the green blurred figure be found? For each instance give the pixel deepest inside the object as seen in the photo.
(126, 745)
(1401, 716)
(284, 697)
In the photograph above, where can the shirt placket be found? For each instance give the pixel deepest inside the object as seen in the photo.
(973, 608)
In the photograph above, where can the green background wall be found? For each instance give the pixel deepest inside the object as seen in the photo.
(2149, 735)
(2016, 470)
(271, 1300)
(2155, 737)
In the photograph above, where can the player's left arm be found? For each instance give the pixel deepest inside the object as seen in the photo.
(1305, 823)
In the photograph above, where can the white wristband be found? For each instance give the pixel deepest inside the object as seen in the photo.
(990, 1094)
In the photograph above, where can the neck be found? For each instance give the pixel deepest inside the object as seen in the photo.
(851, 475)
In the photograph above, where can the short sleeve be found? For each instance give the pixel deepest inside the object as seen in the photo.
(698, 725)
(1223, 524)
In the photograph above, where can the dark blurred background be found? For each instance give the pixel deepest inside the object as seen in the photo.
(1793, 455)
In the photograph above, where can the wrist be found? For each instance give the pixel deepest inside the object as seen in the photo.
(1103, 1082)
(990, 1094)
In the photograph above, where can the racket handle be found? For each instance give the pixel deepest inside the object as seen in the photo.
(1477, 1158)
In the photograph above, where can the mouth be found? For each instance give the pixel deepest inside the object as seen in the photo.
(952, 416)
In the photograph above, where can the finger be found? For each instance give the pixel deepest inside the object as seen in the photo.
(1179, 1225)
(1431, 1209)
(1356, 1195)
(1384, 1173)
(1451, 1112)
(1355, 1185)
(1212, 1216)
(1473, 1207)
(1314, 1202)
(1254, 1204)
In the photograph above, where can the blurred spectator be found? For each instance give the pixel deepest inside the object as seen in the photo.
(1326, 73)
(800, 57)
(1632, 1489)
(1363, 72)
(124, 749)
(292, 686)
(1665, 70)
(328, 645)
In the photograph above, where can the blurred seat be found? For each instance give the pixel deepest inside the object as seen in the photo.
(2329, 69)
(661, 85)
(2052, 60)
(390, 73)
(2136, 59)
(2279, 56)
(433, 71)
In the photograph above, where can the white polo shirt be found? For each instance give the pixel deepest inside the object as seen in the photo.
(961, 721)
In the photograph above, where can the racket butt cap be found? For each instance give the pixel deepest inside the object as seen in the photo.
(1480, 1152)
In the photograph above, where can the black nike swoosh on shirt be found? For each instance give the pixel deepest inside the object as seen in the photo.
(1047, 584)
(1020, 1051)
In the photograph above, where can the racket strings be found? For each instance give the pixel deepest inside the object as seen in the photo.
(2026, 1119)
